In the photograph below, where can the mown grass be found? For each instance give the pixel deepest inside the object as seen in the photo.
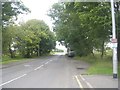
(101, 68)
(99, 65)
(6, 59)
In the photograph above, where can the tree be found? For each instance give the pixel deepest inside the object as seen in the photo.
(7, 39)
(83, 26)
(10, 11)
(34, 38)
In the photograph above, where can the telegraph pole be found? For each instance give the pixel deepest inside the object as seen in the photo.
(114, 42)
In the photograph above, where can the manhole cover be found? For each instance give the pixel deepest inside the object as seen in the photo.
(84, 74)
(80, 68)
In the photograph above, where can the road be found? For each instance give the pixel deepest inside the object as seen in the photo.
(57, 71)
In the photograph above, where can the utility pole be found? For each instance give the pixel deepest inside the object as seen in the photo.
(114, 42)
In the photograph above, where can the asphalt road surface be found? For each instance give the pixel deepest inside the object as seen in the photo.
(57, 71)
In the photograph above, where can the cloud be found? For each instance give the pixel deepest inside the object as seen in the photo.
(39, 10)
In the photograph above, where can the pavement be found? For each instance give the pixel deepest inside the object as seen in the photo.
(57, 71)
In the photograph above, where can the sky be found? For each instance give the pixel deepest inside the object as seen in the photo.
(39, 10)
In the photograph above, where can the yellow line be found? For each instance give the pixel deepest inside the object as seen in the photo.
(79, 83)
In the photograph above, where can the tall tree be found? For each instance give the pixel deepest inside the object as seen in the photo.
(35, 38)
(10, 11)
(83, 26)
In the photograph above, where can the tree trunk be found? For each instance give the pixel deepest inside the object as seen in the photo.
(28, 53)
(11, 52)
(92, 53)
(102, 50)
(37, 52)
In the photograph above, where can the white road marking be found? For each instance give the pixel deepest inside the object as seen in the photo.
(13, 80)
(42, 65)
(46, 62)
(79, 83)
(38, 67)
(82, 78)
(27, 65)
(90, 86)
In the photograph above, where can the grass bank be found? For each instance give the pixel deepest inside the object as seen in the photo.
(6, 59)
(98, 65)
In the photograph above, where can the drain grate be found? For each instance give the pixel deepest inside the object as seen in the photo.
(85, 74)
(80, 68)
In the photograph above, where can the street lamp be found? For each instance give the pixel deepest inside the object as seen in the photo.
(114, 42)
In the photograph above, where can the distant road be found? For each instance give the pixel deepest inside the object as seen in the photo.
(56, 71)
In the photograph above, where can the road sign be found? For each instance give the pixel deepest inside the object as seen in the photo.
(114, 45)
(114, 40)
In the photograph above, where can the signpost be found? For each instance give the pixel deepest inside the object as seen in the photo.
(114, 42)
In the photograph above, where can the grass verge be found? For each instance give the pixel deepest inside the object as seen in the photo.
(6, 59)
(98, 65)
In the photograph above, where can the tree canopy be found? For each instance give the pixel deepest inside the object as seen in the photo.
(29, 39)
(10, 11)
(84, 26)
(32, 38)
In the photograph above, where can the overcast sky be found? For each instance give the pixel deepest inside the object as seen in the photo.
(39, 9)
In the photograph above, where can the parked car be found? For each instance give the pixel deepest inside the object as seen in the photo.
(71, 53)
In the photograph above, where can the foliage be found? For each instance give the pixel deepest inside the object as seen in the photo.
(28, 39)
(84, 26)
(10, 11)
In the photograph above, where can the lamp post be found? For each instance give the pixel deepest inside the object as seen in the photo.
(114, 42)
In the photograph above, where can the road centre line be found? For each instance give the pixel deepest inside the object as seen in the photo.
(38, 67)
(79, 83)
(13, 80)
(42, 65)
(90, 86)
(46, 62)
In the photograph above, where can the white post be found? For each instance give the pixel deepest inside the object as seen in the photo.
(115, 62)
